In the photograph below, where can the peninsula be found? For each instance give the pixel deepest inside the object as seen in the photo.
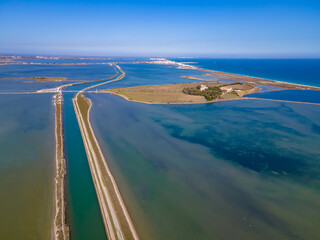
(231, 87)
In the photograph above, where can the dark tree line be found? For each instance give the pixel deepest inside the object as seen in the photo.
(211, 93)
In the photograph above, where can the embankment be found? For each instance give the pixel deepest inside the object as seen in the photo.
(61, 230)
(115, 216)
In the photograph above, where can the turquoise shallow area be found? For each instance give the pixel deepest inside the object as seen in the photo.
(244, 169)
(27, 160)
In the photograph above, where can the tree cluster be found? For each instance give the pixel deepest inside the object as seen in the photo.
(211, 93)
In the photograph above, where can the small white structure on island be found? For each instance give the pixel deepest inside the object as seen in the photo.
(226, 88)
(203, 87)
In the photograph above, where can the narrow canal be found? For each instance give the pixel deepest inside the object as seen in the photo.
(83, 213)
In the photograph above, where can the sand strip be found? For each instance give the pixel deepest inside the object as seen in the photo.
(60, 229)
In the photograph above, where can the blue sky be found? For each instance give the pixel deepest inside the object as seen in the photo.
(259, 28)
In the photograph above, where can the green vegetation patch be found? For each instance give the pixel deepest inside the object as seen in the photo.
(210, 93)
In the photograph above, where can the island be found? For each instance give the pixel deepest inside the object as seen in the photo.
(184, 93)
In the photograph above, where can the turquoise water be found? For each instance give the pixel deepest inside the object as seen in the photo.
(27, 160)
(301, 71)
(83, 213)
(231, 170)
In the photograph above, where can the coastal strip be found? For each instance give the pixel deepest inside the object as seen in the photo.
(60, 229)
(184, 93)
(219, 75)
(115, 216)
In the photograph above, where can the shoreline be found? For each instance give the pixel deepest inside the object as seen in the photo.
(180, 65)
(249, 76)
(61, 230)
(316, 88)
(265, 79)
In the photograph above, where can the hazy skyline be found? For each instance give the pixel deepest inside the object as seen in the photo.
(161, 28)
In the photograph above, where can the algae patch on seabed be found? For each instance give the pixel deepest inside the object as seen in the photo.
(215, 179)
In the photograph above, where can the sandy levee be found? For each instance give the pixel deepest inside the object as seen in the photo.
(45, 79)
(60, 229)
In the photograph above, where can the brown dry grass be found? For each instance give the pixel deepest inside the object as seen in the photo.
(172, 93)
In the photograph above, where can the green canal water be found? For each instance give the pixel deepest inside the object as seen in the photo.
(230, 170)
(27, 158)
(83, 213)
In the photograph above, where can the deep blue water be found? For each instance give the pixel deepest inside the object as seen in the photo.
(290, 95)
(301, 71)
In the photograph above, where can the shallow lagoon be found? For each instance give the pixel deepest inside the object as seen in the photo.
(73, 73)
(215, 171)
(27, 158)
(243, 169)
